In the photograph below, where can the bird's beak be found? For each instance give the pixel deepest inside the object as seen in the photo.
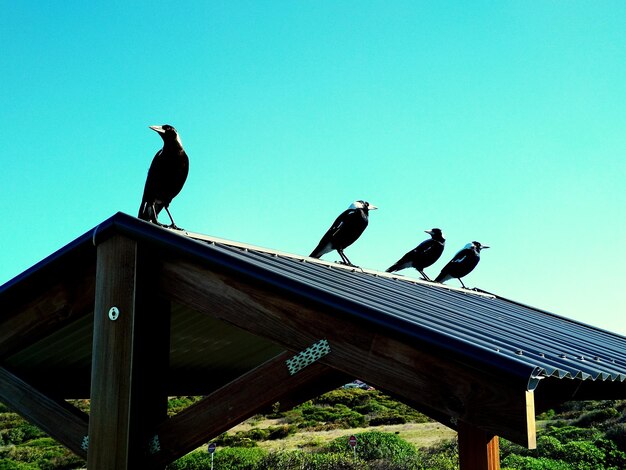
(158, 129)
(429, 232)
(484, 246)
(371, 208)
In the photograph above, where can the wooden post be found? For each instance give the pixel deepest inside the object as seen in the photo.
(478, 450)
(129, 359)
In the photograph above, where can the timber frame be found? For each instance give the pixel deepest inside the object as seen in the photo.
(131, 313)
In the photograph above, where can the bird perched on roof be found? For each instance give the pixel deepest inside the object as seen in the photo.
(423, 255)
(462, 263)
(345, 230)
(166, 176)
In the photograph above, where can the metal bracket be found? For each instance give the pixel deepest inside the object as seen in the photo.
(308, 356)
(154, 445)
(85, 443)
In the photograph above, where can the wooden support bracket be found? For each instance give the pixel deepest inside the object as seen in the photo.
(245, 396)
(59, 419)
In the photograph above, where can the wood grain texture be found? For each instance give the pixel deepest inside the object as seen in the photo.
(59, 419)
(359, 349)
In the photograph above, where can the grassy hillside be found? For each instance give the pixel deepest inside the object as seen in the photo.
(579, 435)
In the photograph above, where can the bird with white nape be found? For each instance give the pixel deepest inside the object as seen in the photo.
(423, 255)
(462, 263)
(346, 229)
(166, 176)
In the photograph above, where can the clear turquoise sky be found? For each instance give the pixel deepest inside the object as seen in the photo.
(502, 122)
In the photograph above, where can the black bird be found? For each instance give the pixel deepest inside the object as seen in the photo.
(166, 176)
(462, 263)
(423, 255)
(345, 230)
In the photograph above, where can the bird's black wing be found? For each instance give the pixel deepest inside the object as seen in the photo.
(428, 252)
(166, 177)
(423, 255)
(326, 243)
(154, 180)
(454, 268)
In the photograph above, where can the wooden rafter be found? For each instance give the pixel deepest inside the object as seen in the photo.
(45, 308)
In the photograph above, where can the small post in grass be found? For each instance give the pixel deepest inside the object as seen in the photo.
(211, 450)
(352, 442)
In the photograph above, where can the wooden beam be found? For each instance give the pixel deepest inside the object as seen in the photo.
(130, 351)
(42, 309)
(478, 450)
(359, 349)
(269, 383)
(57, 418)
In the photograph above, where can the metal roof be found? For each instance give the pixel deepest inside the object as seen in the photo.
(478, 323)
(475, 327)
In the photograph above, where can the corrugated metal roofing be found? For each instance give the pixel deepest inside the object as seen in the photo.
(496, 328)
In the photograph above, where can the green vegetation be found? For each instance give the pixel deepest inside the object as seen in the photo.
(577, 436)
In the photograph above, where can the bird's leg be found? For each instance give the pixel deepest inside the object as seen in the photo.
(153, 215)
(345, 259)
(462, 283)
(174, 226)
(426, 278)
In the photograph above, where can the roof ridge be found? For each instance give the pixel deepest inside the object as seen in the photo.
(331, 264)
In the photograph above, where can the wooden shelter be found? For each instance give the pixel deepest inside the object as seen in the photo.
(131, 313)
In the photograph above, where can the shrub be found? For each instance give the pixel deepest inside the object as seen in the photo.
(6, 464)
(19, 434)
(224, 459)
(518, 462)
(258, 434)
(325, 417)
(381, 420)
(442, 456)
(595, 417)
(297, 460)
(617, 434)
(375, 446)
(280, 432)
(42, 458)
(240, 439)
(613, 457)
(583, 454)
(177, 404)
(573, 433)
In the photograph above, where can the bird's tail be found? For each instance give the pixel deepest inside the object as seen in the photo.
(321, 249)
(392, 268)
(144, 211)
(147, 211)
(443, 277)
